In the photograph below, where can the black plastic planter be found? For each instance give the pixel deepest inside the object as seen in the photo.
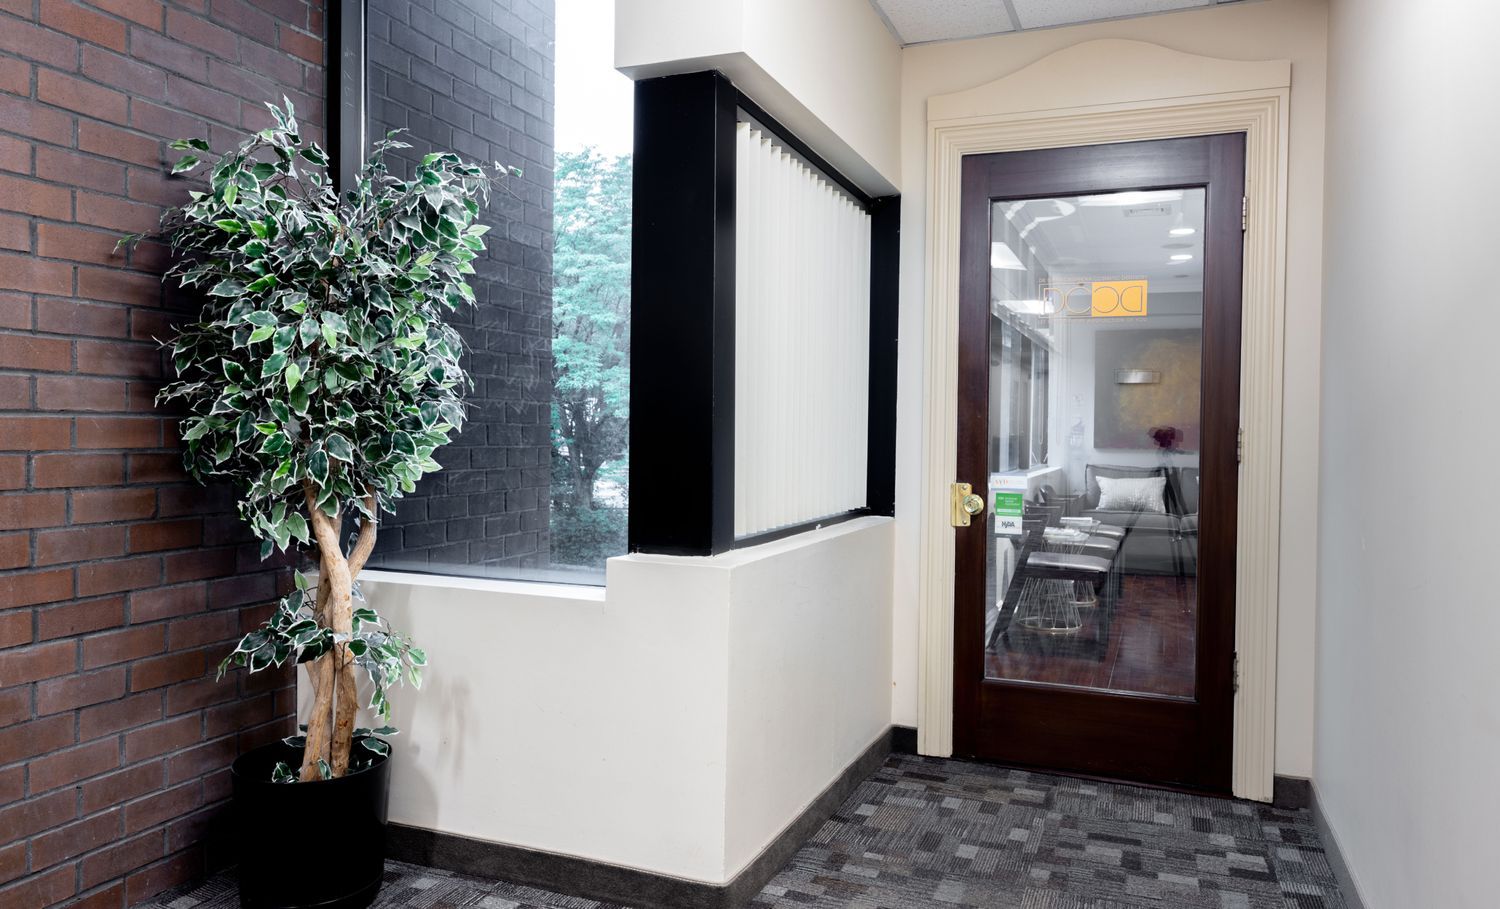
(317, 845)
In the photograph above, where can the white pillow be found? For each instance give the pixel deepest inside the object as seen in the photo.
(1132, 494)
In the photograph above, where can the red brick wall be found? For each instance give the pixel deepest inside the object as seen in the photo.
(121, 582)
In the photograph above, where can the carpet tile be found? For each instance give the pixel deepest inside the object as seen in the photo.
(943, 834)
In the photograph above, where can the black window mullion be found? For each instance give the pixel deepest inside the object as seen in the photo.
(346, 91)
(682, 316)
(885, 258)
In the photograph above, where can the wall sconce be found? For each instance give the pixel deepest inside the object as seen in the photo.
(1137, 377)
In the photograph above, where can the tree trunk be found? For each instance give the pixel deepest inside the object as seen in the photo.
(330, 727)
(320, 721)
(333, 672)
(582, 492)
(319, 678)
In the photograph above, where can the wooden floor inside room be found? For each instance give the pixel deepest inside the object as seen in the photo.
(1142, 644)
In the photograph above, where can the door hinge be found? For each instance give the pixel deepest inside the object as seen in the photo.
(1239, 447)
(1244, 213)
(1236, 672)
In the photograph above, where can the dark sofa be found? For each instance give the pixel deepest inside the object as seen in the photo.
(1165, 543)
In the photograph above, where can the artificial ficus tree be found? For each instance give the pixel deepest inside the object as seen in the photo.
(319, 379)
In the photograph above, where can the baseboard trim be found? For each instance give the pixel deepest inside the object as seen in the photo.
(779, 852)
(1291, 792)
(903, 740)
(567, 874)
(1335, 854)
(574, 876)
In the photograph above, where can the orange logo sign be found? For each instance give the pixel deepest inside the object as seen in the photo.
(1119, 298)
(1100, 299)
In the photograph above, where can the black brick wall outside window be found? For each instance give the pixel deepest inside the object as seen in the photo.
(478, 77)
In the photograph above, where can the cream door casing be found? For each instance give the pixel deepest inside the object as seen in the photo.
(1119, 91)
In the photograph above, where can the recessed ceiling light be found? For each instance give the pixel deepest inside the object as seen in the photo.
(1028, 307)
(1182, 257)
(1005, 258)
(1132, 197)
(1183, 231)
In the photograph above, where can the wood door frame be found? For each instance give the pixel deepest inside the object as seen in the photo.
(1101, 92)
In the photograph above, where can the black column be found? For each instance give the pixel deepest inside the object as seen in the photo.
(885, 267)
(682, 316)
(345, 100)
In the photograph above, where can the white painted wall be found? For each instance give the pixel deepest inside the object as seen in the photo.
(829, 70)
(1274, 29)
(1074, 377)
(837, 58)
(1408, 720)
(809, 662)
(651, 33)
(674, 721)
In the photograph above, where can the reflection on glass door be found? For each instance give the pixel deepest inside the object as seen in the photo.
(1095, 428)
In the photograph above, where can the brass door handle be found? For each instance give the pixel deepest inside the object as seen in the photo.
(965, 504)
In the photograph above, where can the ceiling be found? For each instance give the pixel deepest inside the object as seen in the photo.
(1118, 236)
(920, 21)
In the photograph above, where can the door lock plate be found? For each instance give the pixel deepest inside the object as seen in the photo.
(965, 504)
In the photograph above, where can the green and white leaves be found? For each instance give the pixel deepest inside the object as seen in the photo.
(368, 747)
(320, 368)
(387, 657)
(291, 635)
(321, 356)
(340, 448)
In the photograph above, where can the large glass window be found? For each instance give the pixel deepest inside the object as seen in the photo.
(536, 486)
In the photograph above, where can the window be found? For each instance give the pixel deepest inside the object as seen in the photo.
(1021, 345)
(692, 278)
(1019, 398)
(536, 486)
(1040, 390)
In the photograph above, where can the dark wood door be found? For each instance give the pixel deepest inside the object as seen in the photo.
(1099, 360)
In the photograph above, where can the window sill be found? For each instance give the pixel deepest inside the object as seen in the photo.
(589, 593)
(550, 589)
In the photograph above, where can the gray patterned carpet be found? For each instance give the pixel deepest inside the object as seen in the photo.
(932, 833)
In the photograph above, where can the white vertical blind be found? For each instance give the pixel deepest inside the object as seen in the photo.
(802, 341)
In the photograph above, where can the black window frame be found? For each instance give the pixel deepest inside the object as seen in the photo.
(683, 319)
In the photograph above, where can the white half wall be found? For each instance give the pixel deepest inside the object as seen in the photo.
(829, 70)
(675, 721)
(1408, 721)
(809, 662)
(1273, 29)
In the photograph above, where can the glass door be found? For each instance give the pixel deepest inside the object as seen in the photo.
(1099, 410)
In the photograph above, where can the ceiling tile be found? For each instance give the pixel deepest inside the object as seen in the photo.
(1044, 13)
(939, 20)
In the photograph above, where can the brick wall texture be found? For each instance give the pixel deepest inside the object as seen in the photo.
(121, 582)
(476, 77)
